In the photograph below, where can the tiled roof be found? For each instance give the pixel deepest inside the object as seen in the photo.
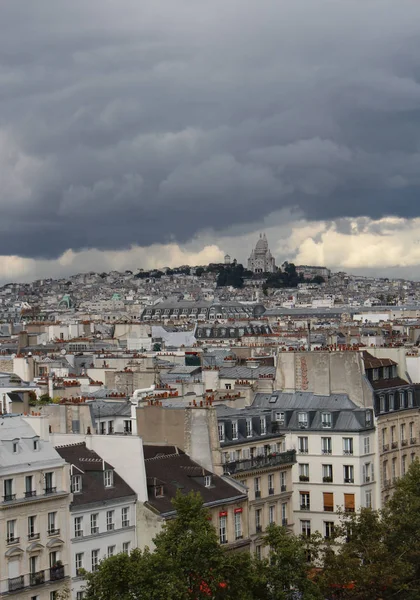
(177, 471)
(372, 362)
(91, 467)
(383, 384)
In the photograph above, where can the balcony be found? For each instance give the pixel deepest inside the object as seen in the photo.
(9, 497)
(305, 507)
(303, 477)
(413, 440)
(385, 448)
(12, 540)
(284, 522)
(327, 479)
(53, 531)
(303, 450)
(328, 508)
(348, 480)
(57, 573)
(33, 536)
(348, 452)
(16, 583)
(258, 528)
(283, 488)
(37, 578)
(50, 490)
(94, 530)
(326, 451)
(260, 462)
(387, 483)
(270, 491)
(257, 493)
(404, 442)
(394, 445)
(367, 480)
(30, 494)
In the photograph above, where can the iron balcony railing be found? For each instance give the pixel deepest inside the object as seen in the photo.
(16, 583)
(259, 462)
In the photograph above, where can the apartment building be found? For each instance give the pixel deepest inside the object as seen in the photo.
(168, 470)
(335, 444)
(102, 512)
(396, 405)
(253, 453)
(34, 512)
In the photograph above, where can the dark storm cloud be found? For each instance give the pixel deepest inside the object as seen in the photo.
(130, 122)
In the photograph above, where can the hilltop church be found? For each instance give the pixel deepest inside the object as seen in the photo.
(261, 260)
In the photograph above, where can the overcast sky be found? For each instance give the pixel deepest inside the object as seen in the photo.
(138, 134)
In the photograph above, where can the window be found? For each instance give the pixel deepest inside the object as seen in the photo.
(303, 419)
(15, 447)
(411, 431)
(80, 595)
(238, 523)
(258, 552)
(402, 400)
(223, 528)
(102, 427)
(127, 426)
(126, 547)
(393, 433)
(33, 564)
(29, 491)
(228, 386)
(53, 595)
(375, 374)
(303, 445)
(49, 483)
(381, 403)
(94, 528)
(391, 402)
(8, 490)
(263, 426)
(327, 473)
(11, 531)
(273, 399)
(328, 529)
(284, 513)
(368, 417)
(283, 481)
(109, 478)
(394, 468)
(36, 445)
(384, 437)
(366, 445)
(326, 420)
(110, 551)
(258, 523)
(279, 417)
(303, 472)
(78, 526)
(413, 457)
(326, 445)
(271, 514)
(328, 501)
(367, 471)
(403, 465)
(52, 523)
(95, 560)
(368, 499)
(385, 471)
(410, 399)
(248, 428)
(348, 473)
(125, 516)
(402, 434)
(271, 484)
(305, 500)
(349, 502)
(110, 427)
(76, 484)
(110, 520)
(234, 430)
(348, 445)
(32, 527)
(221, 428)
(305, 528)
(207, 481)
(78, 562)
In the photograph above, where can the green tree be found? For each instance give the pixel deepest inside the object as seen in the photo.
(288, 573)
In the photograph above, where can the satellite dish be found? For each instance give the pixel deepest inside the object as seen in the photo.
(13, 356)
(63, 352)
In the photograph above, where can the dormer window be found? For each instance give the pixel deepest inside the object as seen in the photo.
(221, 428)
(375, 374)
(76, 484)
(158, 491)
(207, 481)
(263, 426)
(108, 478)
(326, 420)
(273, 398)
(303, 419)
(234, 430)
(279, 417)
(249, 428)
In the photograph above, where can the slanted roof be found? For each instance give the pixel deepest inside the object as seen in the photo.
(91, 467)
(303, 400)
(373, 362)
(174, 470)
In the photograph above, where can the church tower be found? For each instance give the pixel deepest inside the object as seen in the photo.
(261, 260)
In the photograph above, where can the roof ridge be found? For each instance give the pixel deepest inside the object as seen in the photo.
(70, 445)
(163, 456)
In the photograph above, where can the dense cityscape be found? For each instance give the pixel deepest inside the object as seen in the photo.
(279, 405)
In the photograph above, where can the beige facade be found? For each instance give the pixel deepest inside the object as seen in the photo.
(34, 514)
(399, 446)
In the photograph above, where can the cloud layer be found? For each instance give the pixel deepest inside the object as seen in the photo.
(135, 124)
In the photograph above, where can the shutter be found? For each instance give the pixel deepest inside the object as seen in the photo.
(328, 501)
(349, 502)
